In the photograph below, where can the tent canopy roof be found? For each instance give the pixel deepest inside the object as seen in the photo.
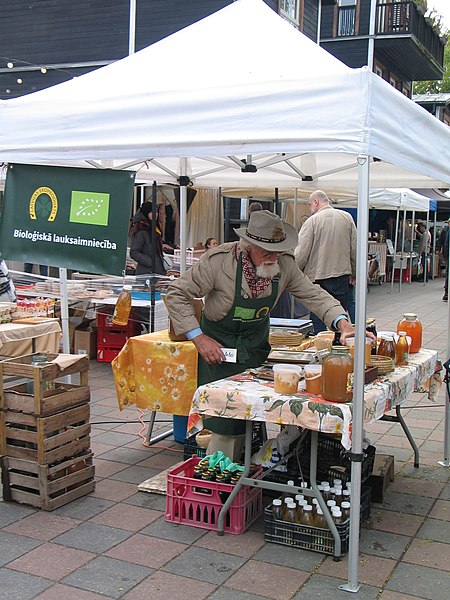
(300, 115)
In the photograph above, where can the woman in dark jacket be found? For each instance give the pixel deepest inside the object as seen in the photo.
(141, 242)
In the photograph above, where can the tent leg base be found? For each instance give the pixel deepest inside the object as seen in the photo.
(444, 463)
(347, 587)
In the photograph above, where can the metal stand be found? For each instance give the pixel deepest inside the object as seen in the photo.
(161, 436)
(281, 487)
(399, 419)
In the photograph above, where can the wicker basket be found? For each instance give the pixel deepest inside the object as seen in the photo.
(385, 364)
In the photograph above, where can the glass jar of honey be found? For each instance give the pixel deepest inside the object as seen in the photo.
(387, 346)
(411, 325)
(336, 368)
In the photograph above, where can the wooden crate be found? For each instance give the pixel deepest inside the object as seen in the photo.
(44, 486)
(48, 402)
(45, 439)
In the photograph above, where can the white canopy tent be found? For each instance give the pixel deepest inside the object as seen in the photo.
(200, 107)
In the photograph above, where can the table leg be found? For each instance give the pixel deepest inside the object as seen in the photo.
(318, 495)
(399, 419)
(237, 487)
(149, 440)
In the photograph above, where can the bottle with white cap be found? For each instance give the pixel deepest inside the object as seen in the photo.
(336, 513)
(345, 509)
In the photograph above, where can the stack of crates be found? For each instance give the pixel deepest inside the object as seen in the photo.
(45, 431)
(112, 338)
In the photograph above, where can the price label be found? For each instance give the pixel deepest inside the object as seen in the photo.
(230, 354)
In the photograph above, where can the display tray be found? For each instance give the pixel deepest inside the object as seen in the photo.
(290, 356)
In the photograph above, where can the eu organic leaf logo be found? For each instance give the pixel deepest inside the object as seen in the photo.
(89, 208)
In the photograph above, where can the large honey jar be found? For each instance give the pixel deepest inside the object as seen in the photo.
(411, 325)
(336, 368)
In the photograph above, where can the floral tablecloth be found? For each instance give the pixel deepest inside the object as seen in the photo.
(155, 373)
(244, 396)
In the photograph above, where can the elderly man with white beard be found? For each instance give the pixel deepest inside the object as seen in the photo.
(240, 282)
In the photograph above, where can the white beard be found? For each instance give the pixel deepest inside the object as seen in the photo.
(268, 271)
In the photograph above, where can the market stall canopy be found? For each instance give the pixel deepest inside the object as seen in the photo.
(390, 199)
(270, 109)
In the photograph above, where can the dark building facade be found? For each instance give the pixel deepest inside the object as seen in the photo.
(45, 42)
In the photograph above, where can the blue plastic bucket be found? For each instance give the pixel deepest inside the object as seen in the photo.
(179, 428)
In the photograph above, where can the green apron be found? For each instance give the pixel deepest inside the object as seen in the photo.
(245, 327)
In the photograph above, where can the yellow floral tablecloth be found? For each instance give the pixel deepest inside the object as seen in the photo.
(155, 373)
(244, 396)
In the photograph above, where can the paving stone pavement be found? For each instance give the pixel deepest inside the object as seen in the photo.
(115, 544)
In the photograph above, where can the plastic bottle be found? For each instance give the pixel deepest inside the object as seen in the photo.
(402, 350)
(308, 518)
(345, 508)
(299, 510)
(413, 327)
(336, 513)
(290, 516)
(338, 496)
(276, 509)
(122, 308)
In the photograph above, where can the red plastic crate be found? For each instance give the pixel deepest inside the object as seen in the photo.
(198, 503)
(111, 339)
(107, 354)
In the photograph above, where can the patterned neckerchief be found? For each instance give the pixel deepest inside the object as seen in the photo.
(256, 284)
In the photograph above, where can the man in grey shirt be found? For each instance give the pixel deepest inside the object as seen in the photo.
(326, 250)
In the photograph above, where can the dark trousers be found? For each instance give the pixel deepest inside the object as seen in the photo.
(339, 288)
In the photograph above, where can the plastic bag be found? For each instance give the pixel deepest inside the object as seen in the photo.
(274, 450)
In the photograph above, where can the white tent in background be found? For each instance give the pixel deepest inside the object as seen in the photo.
(243, 99)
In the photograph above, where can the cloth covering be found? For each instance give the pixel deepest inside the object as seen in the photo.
(155, 373)
(16, 338)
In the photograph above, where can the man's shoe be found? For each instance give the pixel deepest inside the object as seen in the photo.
(445, 298)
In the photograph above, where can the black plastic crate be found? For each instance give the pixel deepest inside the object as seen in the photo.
(332, 459)
(312, 538)
(259, 436)
(301, 536)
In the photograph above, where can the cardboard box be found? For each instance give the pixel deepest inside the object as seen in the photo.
(85, 340)
(382, 475)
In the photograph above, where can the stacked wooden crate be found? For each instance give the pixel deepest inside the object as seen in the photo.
(45, 431)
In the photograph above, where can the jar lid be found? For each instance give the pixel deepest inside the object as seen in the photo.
(402, 333)
(387, 337)
(370, 320)
(410, 316)
(340, 349)
(127, 287)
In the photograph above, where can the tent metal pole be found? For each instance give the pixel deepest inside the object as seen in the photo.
(64, 310)
(411, 252)
(425, 266)
(183, 217)
(446, 461)
(295, 225)
(402, 252)
(395, 250)
(352, 584)
(132, 28)
(433, 271)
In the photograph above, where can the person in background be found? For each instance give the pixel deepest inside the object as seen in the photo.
(141, 242)
(326, 251)
(424, 247)
(254, 206)
(211, 243)
(241, 282)
(7, 291)
(443, 250)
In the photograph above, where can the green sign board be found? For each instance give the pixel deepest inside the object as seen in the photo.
(67, 217)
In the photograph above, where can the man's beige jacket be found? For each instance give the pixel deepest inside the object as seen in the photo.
(327, 245)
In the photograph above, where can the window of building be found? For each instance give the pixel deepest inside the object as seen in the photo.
(378, 71)
(290, 10)
(346, 17)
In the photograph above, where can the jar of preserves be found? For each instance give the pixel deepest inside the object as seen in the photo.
(371, 326)
(411, 325)
(402, 350)
(387, 346)
(336, 368)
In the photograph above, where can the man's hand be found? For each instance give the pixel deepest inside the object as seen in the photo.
(347, 330)
(209, 349)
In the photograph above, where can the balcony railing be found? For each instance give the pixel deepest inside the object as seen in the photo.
(393, 18)
(403, 17)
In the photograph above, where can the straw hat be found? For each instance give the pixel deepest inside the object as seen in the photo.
(266, 230)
